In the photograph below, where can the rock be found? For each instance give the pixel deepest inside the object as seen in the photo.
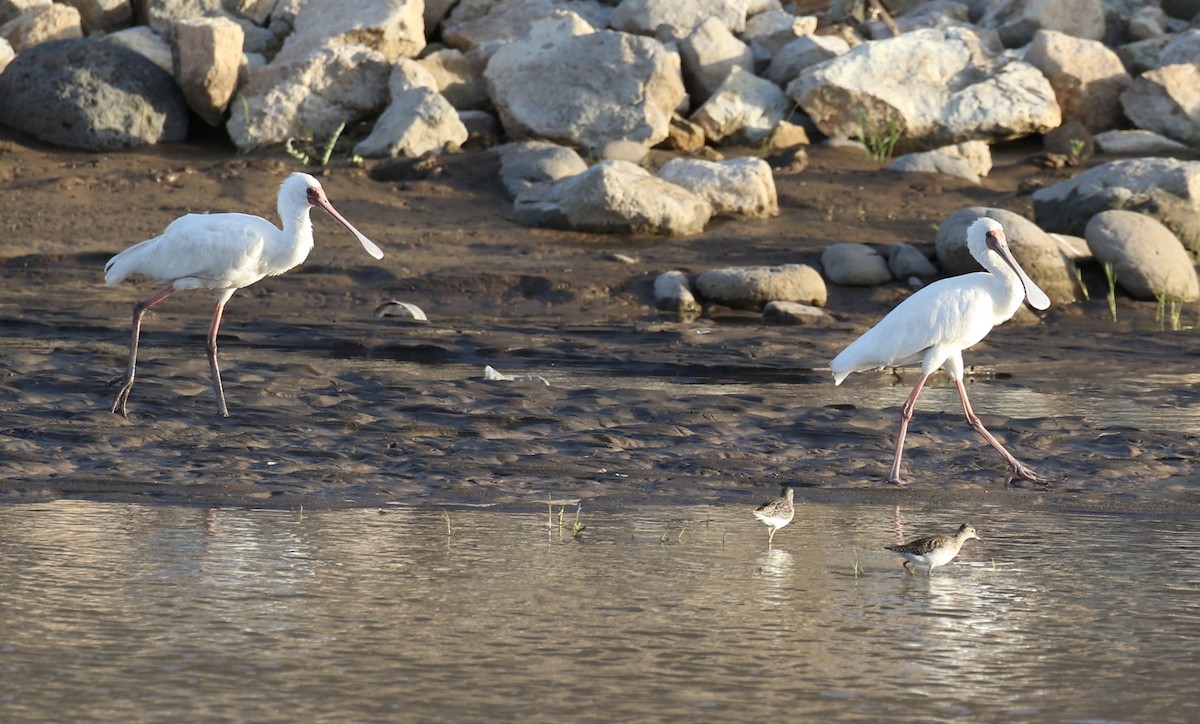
(86, 93)
(418, 121)
(970, 160)
(1166, 100)
(1181, 49)
(854, 265)
(255, 11)
(683, 135)
(102, 15)
(613, 197)
(1037, 253)
(1143, 55)
(709, 54)
(1136, 142)
(585, 90)
(940, 87)
(934, 14)
(737, 187)
(795, 314)
(408, 74)
(393, 28)
(645, 17)
(673, 293)
(459, 78)
(40, 24)
(1073, 248)
(210, 52)
(1148, 259)
(788, 135)
(524, 164)
(802, 53)
(481, 27)
(161, 15)
(755, 286)
(1087, 77)
(148, 43)
(906, 260)
(622, 150)
(767, 33)
(1147, 22)
(1165, 188)
(1018, 21)
(6, 54)
(310, 95)
(744, 109)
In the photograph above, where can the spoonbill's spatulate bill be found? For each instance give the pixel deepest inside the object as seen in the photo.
(223, 253)
(937, 323)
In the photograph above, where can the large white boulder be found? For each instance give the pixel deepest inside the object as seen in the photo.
(737, 187)
(312, 94)
(586, 90)
(648, 17)
(393, 28)
(940, 86)
(482, 27)
(614, 197)
(1148, 259)
(418, 121)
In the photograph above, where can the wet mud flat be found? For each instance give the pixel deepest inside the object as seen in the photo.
(332, 406)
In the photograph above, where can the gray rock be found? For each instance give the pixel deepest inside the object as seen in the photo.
(970, 160)
(6, 54)
(673, 293)
(1018, 21)
(417, 121)
(795, 314)
(768, 32)
(906, 261)
(1087, 77)
(647, 16)
(524, 164)
(585, 90)
(1165, 188)
(613, 197)
(1035, 250)
(737, 187)
(1136, 142)
(802, 53)
(754, 287)
(854, 265)
(103, 15)
(481, 27)
(1148, 259)
(744, 109)
(89, 94)
(940, 86)
(1166, 100)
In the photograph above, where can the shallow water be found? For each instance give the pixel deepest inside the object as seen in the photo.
(133, 613)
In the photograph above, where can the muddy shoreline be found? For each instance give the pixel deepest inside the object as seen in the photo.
(334, 407)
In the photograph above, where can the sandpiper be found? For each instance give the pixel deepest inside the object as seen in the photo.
(935, 550)
(776, 513)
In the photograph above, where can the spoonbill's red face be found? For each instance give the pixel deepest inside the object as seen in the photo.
(316, 195)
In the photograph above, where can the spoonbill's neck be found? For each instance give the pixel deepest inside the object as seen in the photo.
(297, 239)
(1008, 290)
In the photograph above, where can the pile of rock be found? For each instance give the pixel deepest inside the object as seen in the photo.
(613, 80)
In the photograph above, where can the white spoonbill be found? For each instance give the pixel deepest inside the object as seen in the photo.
(937, 323)
(223, 253)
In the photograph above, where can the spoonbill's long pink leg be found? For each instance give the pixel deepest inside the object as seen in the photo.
(1018, 468)
(139, 311)
(211, 346)
(905, 416)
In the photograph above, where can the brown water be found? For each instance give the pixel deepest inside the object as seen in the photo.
(139, 613)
